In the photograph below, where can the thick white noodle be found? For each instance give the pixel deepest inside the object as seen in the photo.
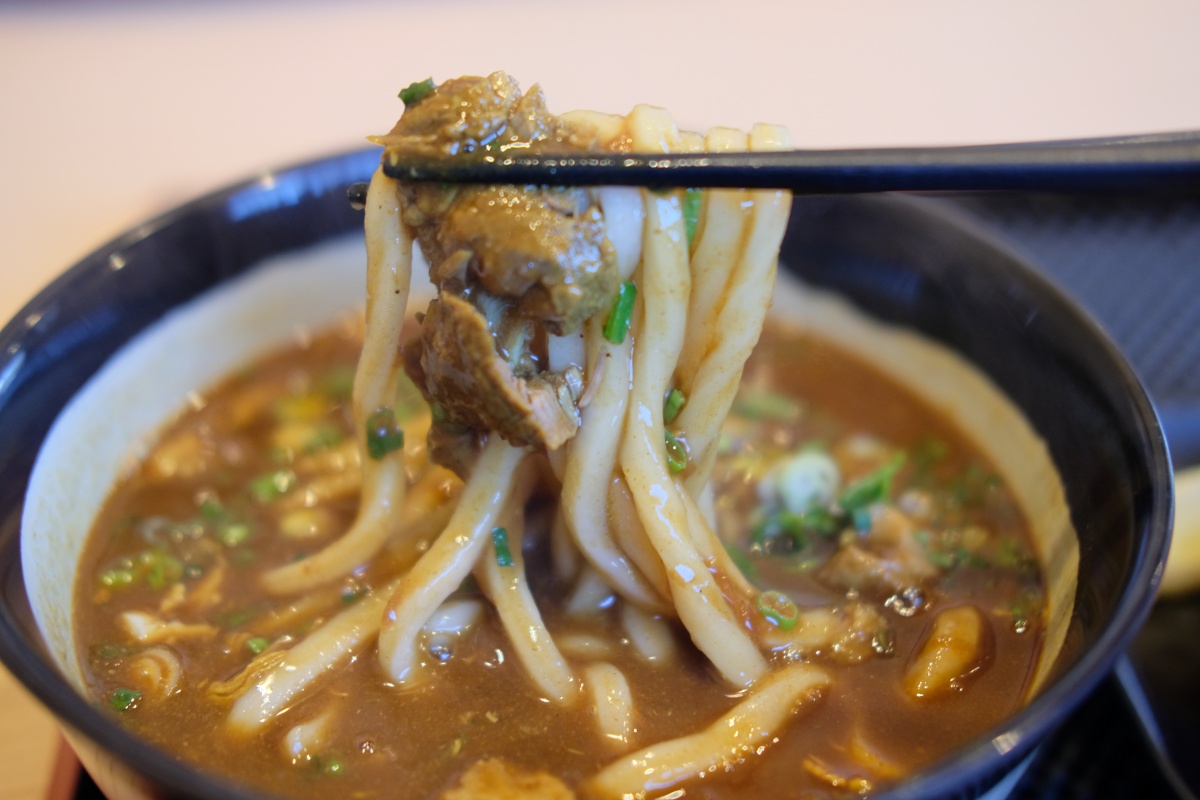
(712, 549)
(624, 217)
(631, 536)
(649, 635)
(725, 215)
(450, 559)
(610, 696)
(389, 276)
(665, 285)
(592, 455)
(509, 592)
(739, 321)
(590, 463)
(564, 556)
(736, 738)
(318, 653)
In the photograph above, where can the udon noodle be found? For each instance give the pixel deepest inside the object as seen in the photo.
(579, 364)
(671, 561)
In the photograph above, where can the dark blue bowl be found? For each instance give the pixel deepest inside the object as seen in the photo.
(898, 258)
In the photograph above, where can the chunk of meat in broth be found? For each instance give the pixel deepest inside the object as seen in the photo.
(512, 264)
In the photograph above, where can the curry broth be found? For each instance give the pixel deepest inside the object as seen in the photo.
(217, 514)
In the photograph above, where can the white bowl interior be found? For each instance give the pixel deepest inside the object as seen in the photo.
(107, 427)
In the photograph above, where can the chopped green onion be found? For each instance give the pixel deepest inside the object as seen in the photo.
(677, 457)
(257, 644)
(861, 517)
(383, 434)
(234, 533)
(500, 543)
(161, 569)
(871, 488)
(238, 618)
(416, 92)
(273, 485)
(333, 767)
(211, 508)
(351, 594)
(759, 404)
(971, 559)
(124, 699)
(617, 324)
(941, 559)
(781, 523)
(673, 405)
(114, 578)
(796, 527)
(822, 522)
(691, 212)
(779, 609)
(109, 650)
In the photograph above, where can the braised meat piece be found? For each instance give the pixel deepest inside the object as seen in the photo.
(512, 264)
(544, 249)
(460, 116)
(463, 368)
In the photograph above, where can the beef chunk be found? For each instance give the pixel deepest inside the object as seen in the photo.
(474, 386)
(512, 264)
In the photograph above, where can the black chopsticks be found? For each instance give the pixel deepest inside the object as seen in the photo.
(1156, 161)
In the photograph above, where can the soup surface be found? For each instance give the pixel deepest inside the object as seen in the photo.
(876, 523)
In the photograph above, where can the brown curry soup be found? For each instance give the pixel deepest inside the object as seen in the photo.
(219, 514)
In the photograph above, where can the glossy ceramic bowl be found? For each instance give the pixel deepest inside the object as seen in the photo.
(901, 260)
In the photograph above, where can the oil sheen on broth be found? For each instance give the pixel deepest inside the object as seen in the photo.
(864, 515)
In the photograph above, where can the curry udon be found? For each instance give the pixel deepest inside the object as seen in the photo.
(562, 532)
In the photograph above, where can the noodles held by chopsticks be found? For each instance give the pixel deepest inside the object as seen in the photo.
(630, 513)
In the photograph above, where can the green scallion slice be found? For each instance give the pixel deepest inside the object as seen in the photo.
(500, 543)
(677, 457)
(416, 92)
(124, 699)
(211, 508)
(756, 404)
(114, 578)
(871, 488)
(232, 534)
(779, 609)
(161, 569)
(383, 434)
(273, 485)
(673, 405)
(691, 212)
(617, 324)
(257, 644)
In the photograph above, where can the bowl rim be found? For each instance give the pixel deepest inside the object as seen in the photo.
(1019, 734)
(976, 763)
